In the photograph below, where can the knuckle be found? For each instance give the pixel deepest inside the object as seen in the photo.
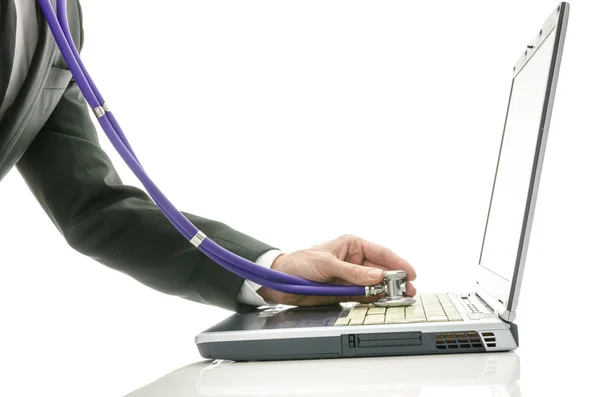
(348, 237)
(353, 242)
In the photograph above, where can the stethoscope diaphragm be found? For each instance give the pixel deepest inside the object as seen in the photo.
(391, 301)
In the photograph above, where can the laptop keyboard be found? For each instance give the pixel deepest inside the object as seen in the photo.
(427, 308)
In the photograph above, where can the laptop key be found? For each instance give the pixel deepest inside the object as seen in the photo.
(391, 311)
(356, 321)
(357, 315)
(437, 318)
(376, 310)
(452, 315)
(374, 319)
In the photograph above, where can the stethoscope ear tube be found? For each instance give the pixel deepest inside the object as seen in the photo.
(269, 278)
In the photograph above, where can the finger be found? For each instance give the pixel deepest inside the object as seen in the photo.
(354, 256)
(382, 256)
(371, 264)
(353, 274)
(384, 268)
(410, 289)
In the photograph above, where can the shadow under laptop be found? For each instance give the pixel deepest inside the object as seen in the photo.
(486, 374)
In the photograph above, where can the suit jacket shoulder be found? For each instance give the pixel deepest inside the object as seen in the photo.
(46, 81)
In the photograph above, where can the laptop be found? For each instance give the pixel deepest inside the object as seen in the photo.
(479, 320)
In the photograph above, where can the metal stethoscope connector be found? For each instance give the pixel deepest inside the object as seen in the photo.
(394, 288)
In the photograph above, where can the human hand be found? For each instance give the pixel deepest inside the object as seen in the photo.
(347, 260)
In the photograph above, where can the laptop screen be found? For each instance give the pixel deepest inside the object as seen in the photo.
(505, 235)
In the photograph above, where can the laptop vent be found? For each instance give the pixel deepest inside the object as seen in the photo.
(489, 338)
(459, 340)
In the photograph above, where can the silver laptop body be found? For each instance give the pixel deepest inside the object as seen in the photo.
(476, 321)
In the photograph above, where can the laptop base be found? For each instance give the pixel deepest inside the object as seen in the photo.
(256, 336)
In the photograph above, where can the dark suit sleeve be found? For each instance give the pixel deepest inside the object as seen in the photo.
(118, 225)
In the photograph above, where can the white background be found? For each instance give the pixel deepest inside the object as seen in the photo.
(296, 122)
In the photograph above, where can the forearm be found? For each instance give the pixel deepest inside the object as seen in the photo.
(134, 238)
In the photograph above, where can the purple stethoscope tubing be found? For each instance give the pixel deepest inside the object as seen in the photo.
(269, 278)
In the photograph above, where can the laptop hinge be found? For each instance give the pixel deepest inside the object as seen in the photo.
(499, 309)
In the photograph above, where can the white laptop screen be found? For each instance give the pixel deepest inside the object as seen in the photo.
(519, 164)
(513, 178)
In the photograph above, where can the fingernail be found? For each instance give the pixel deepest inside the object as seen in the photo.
(374, 273)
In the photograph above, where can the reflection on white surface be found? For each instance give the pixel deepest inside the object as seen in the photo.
(493, 374)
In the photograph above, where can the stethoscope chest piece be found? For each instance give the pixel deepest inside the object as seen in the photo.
(394, 301)
(394, 286)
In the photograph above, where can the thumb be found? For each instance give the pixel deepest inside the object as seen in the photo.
(355, 274)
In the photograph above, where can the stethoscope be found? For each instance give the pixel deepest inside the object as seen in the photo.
(393, 284)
